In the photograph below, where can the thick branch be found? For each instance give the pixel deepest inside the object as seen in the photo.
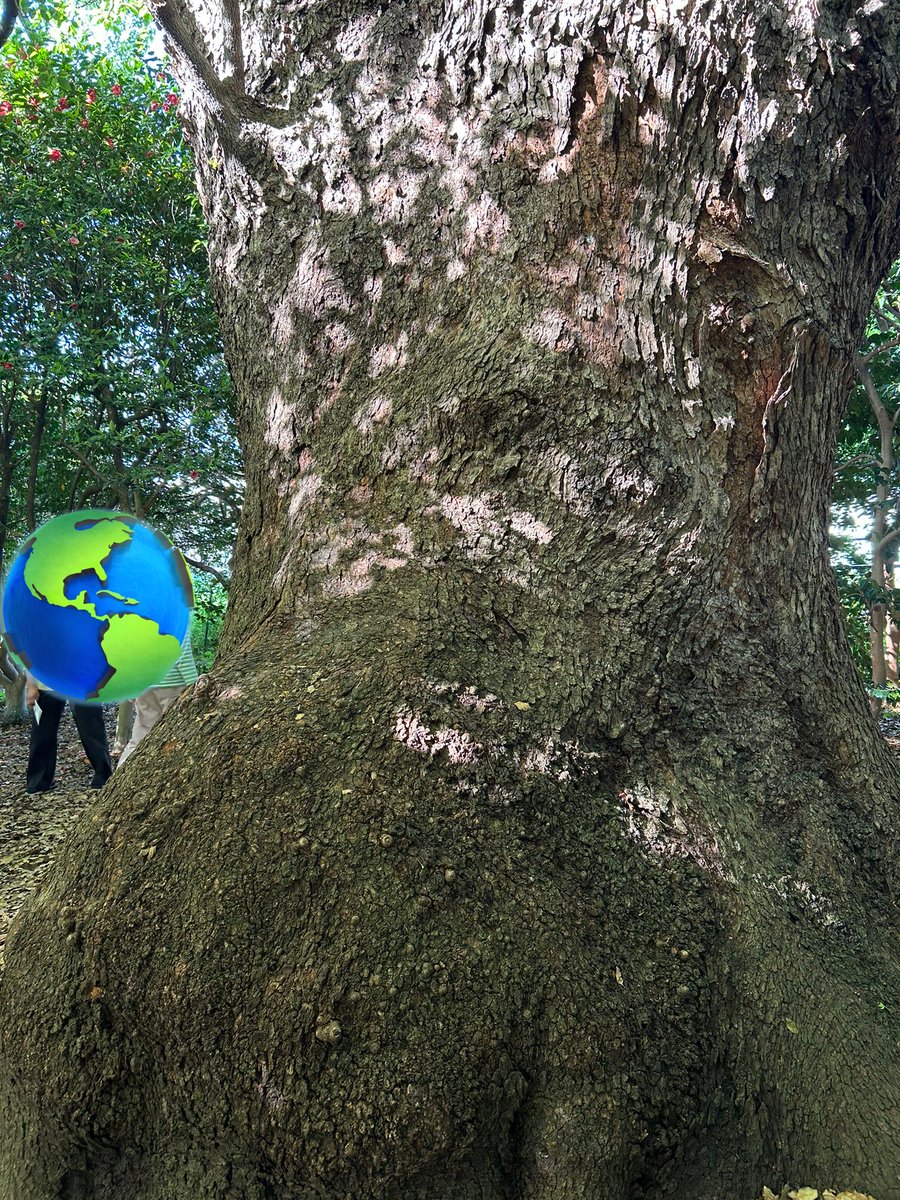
(883, 349)
(205, 567)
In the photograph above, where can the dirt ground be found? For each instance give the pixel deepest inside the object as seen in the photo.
(31, 827)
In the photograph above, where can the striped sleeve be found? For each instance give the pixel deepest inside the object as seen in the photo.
(184, 671)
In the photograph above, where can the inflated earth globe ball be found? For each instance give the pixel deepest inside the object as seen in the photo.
(96, 605)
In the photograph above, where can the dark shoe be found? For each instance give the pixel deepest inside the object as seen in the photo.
(36, 791)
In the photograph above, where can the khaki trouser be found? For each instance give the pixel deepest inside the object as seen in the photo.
(148, 708)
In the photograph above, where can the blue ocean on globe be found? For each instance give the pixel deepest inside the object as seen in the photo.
(96, 606)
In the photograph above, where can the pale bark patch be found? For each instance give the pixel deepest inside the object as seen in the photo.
(411, 731)
(352, 551)
(280, 424)
(388, 356)
(654, 823)
(486, 527)
(486, 226)
(552, 331)
(374, 412)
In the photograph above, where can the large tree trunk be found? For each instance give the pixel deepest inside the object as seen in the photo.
(531, 838)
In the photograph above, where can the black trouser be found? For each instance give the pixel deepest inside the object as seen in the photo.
(42, 747)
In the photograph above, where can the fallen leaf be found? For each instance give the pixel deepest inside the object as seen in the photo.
(522, 706)
(792, 1026)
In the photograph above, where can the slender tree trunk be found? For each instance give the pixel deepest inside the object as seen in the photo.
(34, 455)
(14, 709)
(8, 391)
(531, 839)
(893, 642)
(880, 538)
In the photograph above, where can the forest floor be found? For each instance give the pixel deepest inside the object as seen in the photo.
(31, 827)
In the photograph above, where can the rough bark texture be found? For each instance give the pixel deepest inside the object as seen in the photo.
(531, 838)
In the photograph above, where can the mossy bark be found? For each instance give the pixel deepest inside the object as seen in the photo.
(531, 837)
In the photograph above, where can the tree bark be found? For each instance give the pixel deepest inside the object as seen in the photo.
(531, 837)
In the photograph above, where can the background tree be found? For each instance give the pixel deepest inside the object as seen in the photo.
(532, 837)
(867, 480)
(113, 391)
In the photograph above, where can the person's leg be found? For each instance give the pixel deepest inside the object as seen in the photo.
(42, 743)
(147, 712)
(92, 731)
(148, 708)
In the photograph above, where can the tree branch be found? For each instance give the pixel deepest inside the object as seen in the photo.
(857, 459)
(883, 349)
(202, 566)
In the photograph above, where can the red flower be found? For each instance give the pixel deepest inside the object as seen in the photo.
(172, 99)
(19, 224)
(7, 366)
(195, 474)
(5, 108)
(73, 306)
(91, 96)
(73, 240)
(148, 154)
(154, 105)
(33, 101)
(63, 104)
(84, 123)
(55, 155)
(116, 89)
(109, 141)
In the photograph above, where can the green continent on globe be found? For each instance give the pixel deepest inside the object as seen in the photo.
(136, 651)
(56, 556)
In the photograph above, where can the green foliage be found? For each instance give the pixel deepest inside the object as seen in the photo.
(852, 575)
(210, 602)
(859, 475)
(105, 313)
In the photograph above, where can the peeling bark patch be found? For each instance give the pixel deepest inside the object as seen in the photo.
(655, 823)
(486, 528)
(346, 571)
(411, 731)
